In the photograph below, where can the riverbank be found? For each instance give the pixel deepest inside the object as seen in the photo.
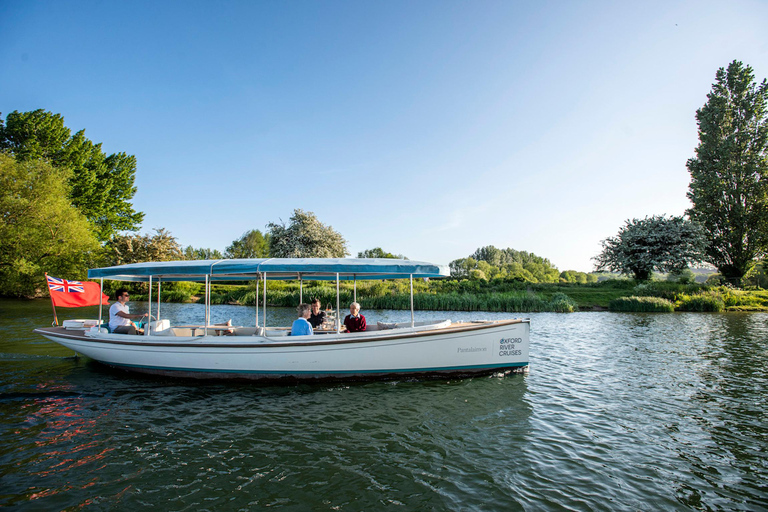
(466, 295)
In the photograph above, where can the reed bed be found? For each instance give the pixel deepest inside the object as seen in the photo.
(465, 295)
(509, 302)
(700, 303)
(642, 305)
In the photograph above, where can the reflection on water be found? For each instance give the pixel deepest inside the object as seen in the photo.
(620, 411)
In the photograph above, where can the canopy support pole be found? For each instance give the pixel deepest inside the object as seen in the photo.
(354, 289)
(207, 302)
(257, 300)
(301, 290)
(412, 318)
(149, 305)
(101, 299)
(338, 311)
(158, 297)
(264, 303)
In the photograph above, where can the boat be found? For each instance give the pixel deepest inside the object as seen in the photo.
(415, 349)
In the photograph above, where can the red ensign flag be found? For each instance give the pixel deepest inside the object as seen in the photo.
(74, 294)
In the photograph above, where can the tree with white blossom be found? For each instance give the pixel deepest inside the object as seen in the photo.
(660, 243)
(305, 237)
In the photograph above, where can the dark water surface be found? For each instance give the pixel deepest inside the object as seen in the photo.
(619, 412)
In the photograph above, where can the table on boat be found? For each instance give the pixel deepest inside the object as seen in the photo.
(325, 331)
(195, 328)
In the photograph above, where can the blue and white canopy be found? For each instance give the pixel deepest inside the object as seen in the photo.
(272, 268)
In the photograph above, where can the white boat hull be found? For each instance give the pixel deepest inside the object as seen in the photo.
(466, 349)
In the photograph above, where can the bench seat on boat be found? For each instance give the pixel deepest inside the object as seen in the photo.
(177, 331)
(249, 331)
(417, 326)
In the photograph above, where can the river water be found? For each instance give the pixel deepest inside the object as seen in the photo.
(618, 412)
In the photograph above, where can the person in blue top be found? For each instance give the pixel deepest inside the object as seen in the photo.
(301, 326)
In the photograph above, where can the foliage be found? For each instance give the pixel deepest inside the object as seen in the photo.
(489, 263)
(758, 276)
(701, 302)
(716, 280)
(654, 243)
(40, 231)
(190, 253)
(253, 244)
(378, 252)
(512, 302)
(305, 237)
(561, 303)
(729, 174)
(685, 276)
(161, 246)
(642, 305)
(466, 295)
(573, 276)
(100, 186)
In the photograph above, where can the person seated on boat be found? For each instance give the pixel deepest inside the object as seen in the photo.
(225, 332)
(120, 317)
(317, 317)
(354, 321)
(301, 326)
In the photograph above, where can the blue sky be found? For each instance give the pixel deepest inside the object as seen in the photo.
(428, 128)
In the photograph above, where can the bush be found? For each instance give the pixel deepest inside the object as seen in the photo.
(642, 305)
(685, 276)
(561, 303)
(701, 303)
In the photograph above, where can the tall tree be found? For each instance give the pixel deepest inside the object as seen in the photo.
(378, 252)
(190, 253)
(100, 186)
(253, 244)
(162, 246)
(654, 243)
(305, 237)
(39, 230)
(729, 174)
(492, 263)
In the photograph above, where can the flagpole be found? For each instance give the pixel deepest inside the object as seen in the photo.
(55, 319)
(101, 299)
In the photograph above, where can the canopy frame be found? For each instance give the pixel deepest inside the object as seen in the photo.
(208, 271)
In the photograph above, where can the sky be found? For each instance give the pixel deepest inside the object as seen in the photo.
(427, 128)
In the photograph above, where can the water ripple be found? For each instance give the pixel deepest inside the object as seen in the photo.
(619, 412)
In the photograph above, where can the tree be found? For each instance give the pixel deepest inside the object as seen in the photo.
(574, 276)
(462, 267)
(378, 252)
(251, 245)
(729, 174)
(507, 264)
(654, 243)
(39, 229)
(758, 275)
(685, 276)
(305, 237)
(100, 186)
(162, 246)
(190, 253)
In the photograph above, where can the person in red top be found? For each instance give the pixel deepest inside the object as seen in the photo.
(354, 321)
